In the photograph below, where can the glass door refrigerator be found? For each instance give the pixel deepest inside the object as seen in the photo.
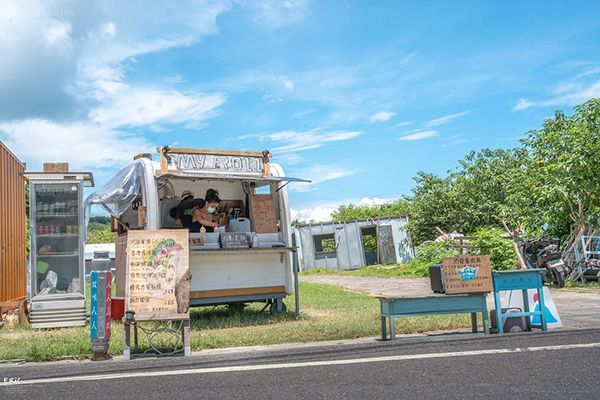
(57, 250)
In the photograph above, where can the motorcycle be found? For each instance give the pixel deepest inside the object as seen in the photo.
(544, 253)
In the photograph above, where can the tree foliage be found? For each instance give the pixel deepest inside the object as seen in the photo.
(99, 231)
(563, 172)
(350, 212)
(476, 194)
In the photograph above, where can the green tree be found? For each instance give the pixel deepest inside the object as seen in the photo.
(100, 236)
(563, 173)
(351, 212)
(473, 195)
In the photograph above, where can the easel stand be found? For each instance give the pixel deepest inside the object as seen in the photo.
(129, 321)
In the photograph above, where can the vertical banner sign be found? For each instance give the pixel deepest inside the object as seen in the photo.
(101, 286)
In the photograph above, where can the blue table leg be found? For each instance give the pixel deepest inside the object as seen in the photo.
(474, 322)
(498, 304)
(383, 329)
(392, 327)
(528, 318)
(542, 309)
(484, 315)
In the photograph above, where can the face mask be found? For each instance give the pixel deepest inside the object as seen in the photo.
(211, 209)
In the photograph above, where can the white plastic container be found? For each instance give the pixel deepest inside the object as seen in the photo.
(239, 225)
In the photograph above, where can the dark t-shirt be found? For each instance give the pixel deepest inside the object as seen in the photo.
(185, 211)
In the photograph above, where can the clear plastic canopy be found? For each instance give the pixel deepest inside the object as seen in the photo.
(118, 193)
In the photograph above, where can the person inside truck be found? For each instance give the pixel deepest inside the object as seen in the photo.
(185, 209)
(204, 213)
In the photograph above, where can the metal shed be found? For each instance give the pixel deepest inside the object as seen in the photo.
(12, 228)
(353, 244)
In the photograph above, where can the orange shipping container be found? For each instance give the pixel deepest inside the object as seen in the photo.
(12, 228)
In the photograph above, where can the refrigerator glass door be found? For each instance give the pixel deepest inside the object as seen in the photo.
(56, 244)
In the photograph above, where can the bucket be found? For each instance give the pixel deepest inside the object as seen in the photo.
(117, 310)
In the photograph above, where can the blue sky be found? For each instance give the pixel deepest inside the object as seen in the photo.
(356, 95)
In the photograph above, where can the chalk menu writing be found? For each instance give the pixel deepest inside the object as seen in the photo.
(467, 274)
(235, 240)
(264, 214)
(157, 262)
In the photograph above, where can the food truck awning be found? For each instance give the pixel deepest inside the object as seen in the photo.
(232, 177)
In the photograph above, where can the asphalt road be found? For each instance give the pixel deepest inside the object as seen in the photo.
(561, 365)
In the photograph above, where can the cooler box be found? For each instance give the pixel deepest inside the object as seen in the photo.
(436, 278)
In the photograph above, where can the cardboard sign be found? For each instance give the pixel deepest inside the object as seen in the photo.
(514, 298)
(264, 214)
(158, 275)
(467, 274)
(100, 304)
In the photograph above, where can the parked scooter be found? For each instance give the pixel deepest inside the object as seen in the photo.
(545, 253)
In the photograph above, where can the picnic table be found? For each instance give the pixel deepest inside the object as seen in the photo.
(432, 304)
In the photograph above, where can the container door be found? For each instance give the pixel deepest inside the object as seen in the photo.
(56, 238)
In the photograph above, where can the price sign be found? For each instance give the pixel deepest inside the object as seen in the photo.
(158, 275)
(467, 274)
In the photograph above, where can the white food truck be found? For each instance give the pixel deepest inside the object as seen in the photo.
(250, 259)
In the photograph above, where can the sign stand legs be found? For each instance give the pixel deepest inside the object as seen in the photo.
(185, 332)
(127, 346)
(129, 324)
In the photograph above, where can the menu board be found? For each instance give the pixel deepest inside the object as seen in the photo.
(467, 274)
(264, 213)
(158, 274)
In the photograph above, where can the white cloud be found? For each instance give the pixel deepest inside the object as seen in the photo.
(108, 30)
(374, 201)
(55, 47)
(84, 146)
(445, 119)
(403, 123)
(289, 85)
(65, 89)
(419, 135)
(177, 78)
(293, 141)
(318, 174)
(321, 212)
(132, 107)
(566, 94)
(277, 13)
(317, 213)
(381, 116)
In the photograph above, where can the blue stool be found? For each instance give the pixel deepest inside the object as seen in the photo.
(520, 280)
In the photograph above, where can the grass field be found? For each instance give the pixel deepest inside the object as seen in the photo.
(328, 313)
(381, 271)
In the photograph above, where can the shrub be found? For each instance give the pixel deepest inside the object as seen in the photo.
(489, 241)
(430, 253)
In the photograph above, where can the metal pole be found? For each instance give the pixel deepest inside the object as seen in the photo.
(296, 286)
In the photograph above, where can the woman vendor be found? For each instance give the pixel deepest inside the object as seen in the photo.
(204, 212)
